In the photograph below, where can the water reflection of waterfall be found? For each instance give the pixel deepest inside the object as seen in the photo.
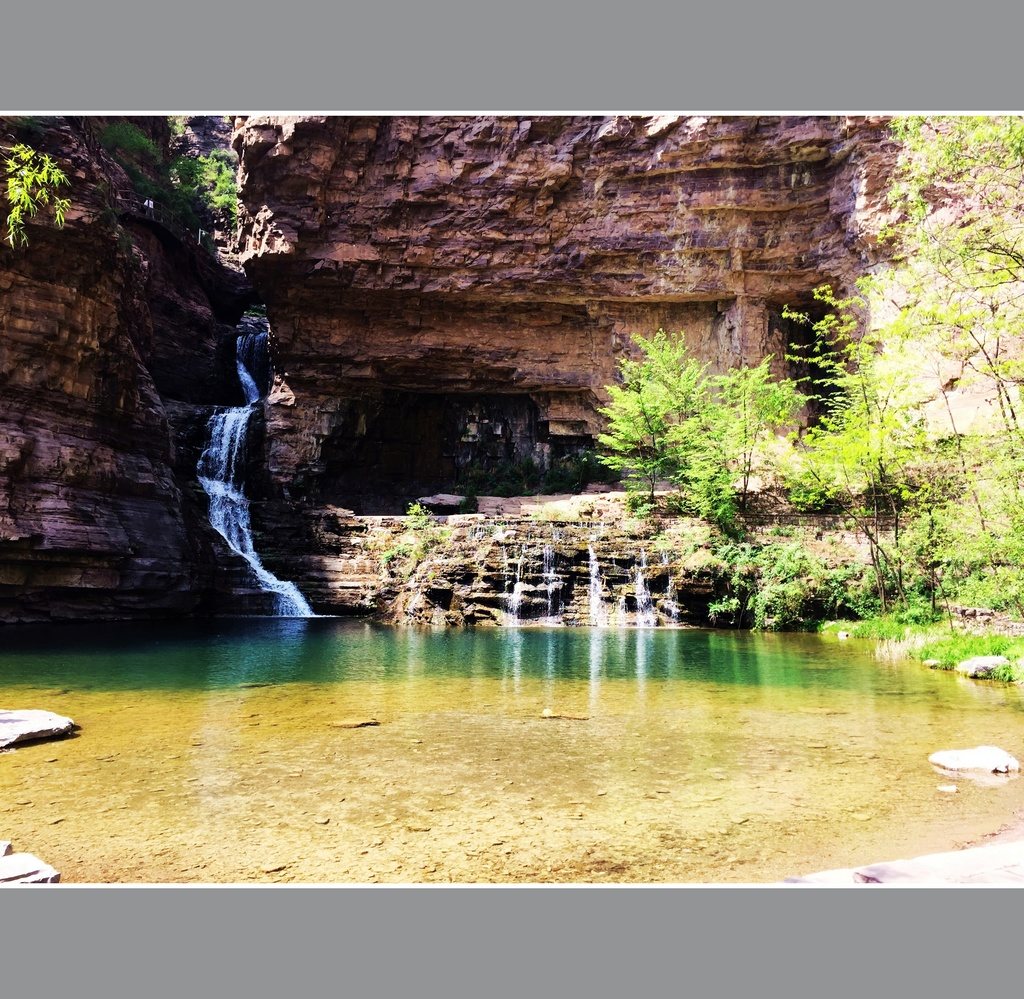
(596, 659)
(221, 475)
(643, 641)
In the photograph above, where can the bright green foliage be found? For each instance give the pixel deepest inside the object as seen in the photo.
(868, 454)
(187, 185)
(128, 140)
(942, 506)
(668, 419)
(33, 180)
(647, 412)
(756, 405)
(771, 586)
(420, 518)
(954, 649)
(960, 182)
(209, 180)
(219, 170)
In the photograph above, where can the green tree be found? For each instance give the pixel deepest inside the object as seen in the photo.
(654, 395)
(756, 406)
(959, 185)
(33, 181)
(669, 420)
(868, 453)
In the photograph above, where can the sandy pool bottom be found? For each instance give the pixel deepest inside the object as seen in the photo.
(462, 782)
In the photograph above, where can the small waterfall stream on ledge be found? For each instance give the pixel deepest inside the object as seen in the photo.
(222, 478)
(552, 583)
(645, 613)
(598, 613)
(514, 595)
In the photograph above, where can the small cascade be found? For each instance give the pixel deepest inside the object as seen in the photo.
(645, 613)
(671, 605)
(514, 594)
(553, 584)
(413, 606)
(221, 476)
(621, 614)
(598, 613)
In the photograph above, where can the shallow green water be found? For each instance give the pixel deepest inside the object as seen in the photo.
(697, 756)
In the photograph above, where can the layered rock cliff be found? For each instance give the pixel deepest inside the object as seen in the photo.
(450, 293)
(447, 295)
(102, 324)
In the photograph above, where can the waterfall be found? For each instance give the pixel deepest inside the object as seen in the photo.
(514, 596)
(598, 614)
(645, 614)
(670, 603)
(553, 582)
(222, 478)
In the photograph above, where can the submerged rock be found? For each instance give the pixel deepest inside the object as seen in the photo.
(30, 724)
(986, 759)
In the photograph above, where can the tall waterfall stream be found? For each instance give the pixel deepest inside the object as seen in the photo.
(221, 474)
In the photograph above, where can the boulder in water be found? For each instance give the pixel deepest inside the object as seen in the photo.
(985, 759)
(31, 724)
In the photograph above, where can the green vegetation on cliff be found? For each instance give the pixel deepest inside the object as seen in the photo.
(33, 182)
(919, 441)
(670, 420)
(199, 190)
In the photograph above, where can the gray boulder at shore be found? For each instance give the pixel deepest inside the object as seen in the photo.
(987, 759)
(981, 666)
(28, 724)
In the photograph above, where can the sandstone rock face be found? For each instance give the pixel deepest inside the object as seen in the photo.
(99, 322)
(449, 293)
(27, 725)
